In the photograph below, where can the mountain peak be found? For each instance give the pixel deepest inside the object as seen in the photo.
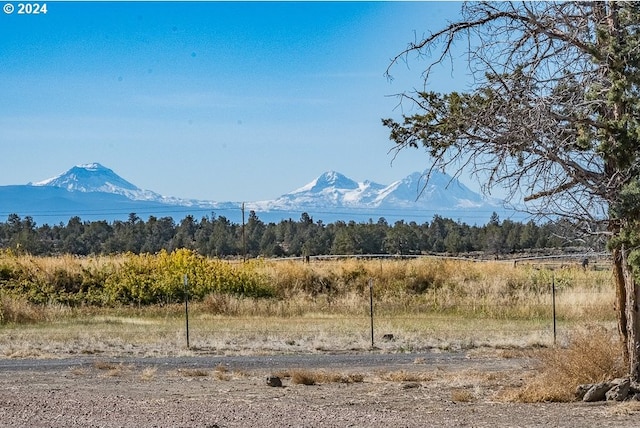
(91, 177)
(328, 180)
(95, 166)
(335, 179)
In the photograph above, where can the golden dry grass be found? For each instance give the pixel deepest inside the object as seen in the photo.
(111, 369)
(149, 373)
(479, 289)
(592, 355)
(104, 365)
(18, 310)
(405, 376)
(304, 377)
(313, 377)
(221, 372)
(461, 395)
(194, 372)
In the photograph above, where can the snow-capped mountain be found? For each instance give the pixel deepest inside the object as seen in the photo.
(334, 190)
(94, 177)
(329, 190)
(440, 191)
(95, 192)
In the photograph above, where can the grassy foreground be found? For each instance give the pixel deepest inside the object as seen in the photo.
(136, 302)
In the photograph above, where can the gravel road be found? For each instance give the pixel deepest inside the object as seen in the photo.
(396, 361)
(392, 390)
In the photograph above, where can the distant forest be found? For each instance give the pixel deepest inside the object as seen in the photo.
(216, 236)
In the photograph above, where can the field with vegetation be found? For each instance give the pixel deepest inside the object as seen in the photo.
(35, 289)
(492, 289)
(135, 305)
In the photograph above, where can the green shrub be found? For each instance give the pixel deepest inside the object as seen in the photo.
(149, 279)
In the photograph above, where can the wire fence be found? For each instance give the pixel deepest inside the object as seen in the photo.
(458, 317)
(500, 317)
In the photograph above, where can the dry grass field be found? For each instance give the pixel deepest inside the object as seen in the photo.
(424, 303)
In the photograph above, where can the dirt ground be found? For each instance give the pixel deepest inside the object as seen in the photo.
(105, 392)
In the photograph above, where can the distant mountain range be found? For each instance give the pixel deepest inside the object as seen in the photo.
(95, 192)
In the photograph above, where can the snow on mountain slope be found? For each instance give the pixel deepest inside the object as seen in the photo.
(334, 190)
(440, 191)
(330, 179)
(92, 190)
(330, 189)
(94, 177)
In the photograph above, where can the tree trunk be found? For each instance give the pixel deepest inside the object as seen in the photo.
(627, 293)
(627, 299)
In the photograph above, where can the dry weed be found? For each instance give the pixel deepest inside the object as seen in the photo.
(221, 372)
(121, 370)
(104, 365)
(236, 374)
(510, 353)
(25, 353)
(405, 376)
(17, 310)
(148, 373)
(313, 377)
(193, 372)
(112, 369)
(341, 377)
(303, 377)
(462, 395)
(79, 371)
(118, 370)
(220, 304)
(592, 355)
(627, 408)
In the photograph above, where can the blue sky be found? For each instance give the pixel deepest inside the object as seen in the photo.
(222, 101)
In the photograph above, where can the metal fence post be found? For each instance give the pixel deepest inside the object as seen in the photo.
(553, 303)
(371, 307)
(186, 307)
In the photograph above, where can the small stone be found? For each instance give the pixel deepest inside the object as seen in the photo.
(581, 390)
(597, 392)
(274, 381)
(619, 392)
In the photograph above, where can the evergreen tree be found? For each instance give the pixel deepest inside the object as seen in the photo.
(254, 230)
(553, 112)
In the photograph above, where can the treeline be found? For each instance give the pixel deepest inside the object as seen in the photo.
(216, 236)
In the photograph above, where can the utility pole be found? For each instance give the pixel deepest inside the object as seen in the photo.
(244, 238)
